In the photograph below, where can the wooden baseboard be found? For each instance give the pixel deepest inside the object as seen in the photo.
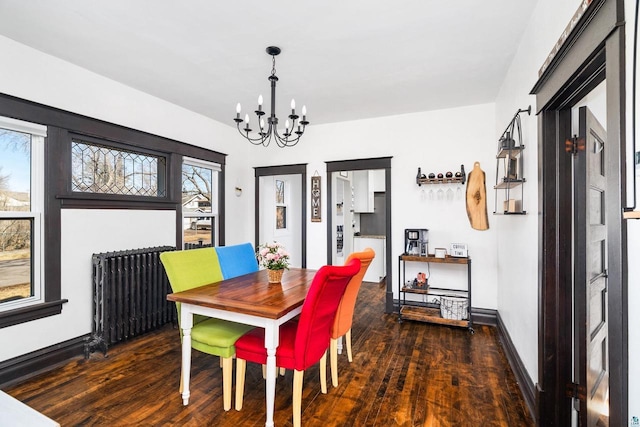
(527, 387)
(29, 365)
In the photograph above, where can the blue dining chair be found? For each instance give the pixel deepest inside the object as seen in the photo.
(236, 260)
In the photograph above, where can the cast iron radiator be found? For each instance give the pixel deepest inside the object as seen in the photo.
(129, 296)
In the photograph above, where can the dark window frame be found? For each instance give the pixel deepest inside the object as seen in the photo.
(61, 126)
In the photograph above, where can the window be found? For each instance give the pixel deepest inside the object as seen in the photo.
(199, 202)
(21, 213)
(97, 168)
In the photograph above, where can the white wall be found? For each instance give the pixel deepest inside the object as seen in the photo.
(437, 141)
(44, 79)
(86, 232)
(518, 235)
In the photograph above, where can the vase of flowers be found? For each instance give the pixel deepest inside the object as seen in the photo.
(275, 258)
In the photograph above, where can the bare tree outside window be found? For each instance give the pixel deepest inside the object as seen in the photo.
(198, 206)
(102, 169)
(197, 181)
(15, 231)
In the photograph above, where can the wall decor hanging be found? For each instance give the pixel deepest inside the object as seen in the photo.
(477, 199)
(316, 193)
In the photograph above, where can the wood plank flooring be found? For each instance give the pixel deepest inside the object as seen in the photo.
(409, 374)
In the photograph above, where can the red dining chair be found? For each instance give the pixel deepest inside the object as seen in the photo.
(344, 316)
(303, 341)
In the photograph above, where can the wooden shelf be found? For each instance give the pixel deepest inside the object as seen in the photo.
(447, 260)
(513, 152)
(453, 180)
(509, 183)
(423, 291)
(461, 178)
(510, 213)
(431, 315)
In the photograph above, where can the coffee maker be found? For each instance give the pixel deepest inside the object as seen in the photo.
(416, 241)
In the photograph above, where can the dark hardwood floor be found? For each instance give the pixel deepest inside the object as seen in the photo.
(408, 374)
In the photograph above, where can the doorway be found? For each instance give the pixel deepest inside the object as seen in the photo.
(591, 54)
(352, 200)
(281, 215)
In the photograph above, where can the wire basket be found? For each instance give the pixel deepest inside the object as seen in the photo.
(456, 308)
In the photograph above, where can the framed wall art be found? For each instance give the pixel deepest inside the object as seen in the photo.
(281, 217)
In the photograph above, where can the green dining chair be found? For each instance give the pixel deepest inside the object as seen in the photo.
(191, 269)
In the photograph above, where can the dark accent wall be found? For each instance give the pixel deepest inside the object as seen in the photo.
(374, 224)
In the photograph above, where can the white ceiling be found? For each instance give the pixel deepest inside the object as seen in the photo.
(345, 60)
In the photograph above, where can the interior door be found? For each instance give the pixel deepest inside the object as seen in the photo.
(591, 345)
(280, 210)
(280, 213)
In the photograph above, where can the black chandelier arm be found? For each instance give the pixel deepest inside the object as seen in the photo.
(256, 141)
(284, 141)
(270, 134)
(287, 142)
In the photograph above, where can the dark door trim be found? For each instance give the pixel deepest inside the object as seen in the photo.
(297, 169)
(366, 164)
(594, 51)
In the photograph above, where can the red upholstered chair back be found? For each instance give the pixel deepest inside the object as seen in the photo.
(319, 311)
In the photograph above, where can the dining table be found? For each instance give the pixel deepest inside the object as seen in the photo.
(248, 299)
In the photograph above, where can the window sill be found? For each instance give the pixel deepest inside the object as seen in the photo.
(33, 312)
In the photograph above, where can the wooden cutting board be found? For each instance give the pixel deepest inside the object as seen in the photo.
(477, 199)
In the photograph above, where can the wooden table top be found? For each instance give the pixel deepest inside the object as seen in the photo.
(252, 293)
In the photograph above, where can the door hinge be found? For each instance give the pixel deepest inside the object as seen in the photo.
(576, 391)
(573, 145)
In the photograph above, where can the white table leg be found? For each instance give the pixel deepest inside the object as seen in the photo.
(340, 345)
(186, 323)
(271, 340)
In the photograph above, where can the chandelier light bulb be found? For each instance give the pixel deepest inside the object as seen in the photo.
(260, 100)
(304, 110)
(246, 119)
(286, 126)
(293, 104)
(261, 123)
(238, 108)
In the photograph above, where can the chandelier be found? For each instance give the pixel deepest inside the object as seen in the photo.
(293, 128)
